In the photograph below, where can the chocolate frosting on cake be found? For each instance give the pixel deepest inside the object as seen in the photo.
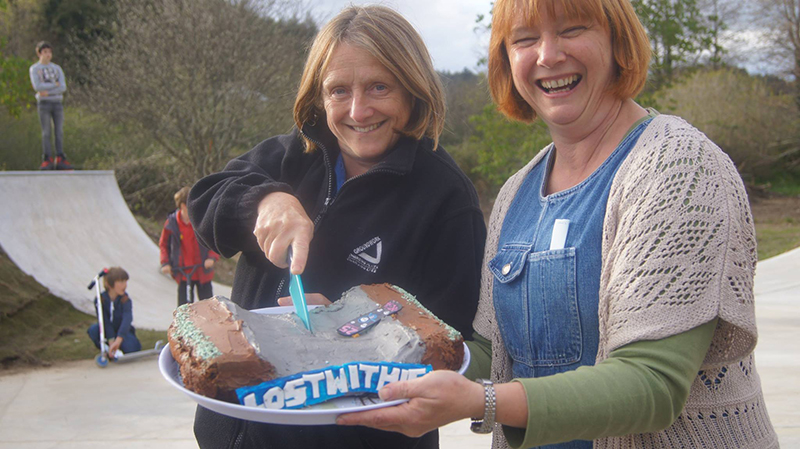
(220, 346)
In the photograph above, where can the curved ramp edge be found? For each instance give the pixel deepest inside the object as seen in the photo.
(64, 227)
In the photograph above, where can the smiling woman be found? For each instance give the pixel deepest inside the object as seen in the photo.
(366, 107)
(617, 296)
(362, 194)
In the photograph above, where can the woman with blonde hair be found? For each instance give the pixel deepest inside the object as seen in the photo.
(616, 301)
(362, 194)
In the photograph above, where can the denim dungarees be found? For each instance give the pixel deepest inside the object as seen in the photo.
(546, 300)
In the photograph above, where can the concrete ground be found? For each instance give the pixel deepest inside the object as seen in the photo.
(81, 406)
(778, 352)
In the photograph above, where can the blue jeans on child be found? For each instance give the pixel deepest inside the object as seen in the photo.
(129, 341)
(51, 111)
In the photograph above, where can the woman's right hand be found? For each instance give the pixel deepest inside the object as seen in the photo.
(282, 222)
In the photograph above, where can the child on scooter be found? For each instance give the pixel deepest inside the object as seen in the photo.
(117, 315)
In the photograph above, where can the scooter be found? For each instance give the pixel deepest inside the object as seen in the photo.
(103, 358)
(188, 272)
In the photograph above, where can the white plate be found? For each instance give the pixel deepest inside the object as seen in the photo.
(319, 414)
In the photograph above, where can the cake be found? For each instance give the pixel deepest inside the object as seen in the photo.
(221, 347)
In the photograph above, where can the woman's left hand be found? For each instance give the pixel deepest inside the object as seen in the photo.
(436, 399)
(208, 263)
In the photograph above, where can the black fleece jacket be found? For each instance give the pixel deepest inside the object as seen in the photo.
(413, 220)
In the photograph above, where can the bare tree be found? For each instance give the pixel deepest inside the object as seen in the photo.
(723, 19)
(205, 78)
(677, 31)
(781, 20)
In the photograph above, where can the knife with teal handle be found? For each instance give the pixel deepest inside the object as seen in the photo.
(298, 295)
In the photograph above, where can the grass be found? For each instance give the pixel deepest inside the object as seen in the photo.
(777, 223)
(777, 237)
(39, 329)
(787, 184)
(87, 138)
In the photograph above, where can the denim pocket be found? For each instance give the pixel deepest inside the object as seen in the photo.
(537, 306)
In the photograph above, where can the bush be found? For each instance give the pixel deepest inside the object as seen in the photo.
(741, 114)
(89, 139)
(502, 146)
(205, 79)
(16, 94)
(93, 142)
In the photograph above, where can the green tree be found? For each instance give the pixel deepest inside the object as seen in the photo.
(16, 93)
(677, 31)
(716, 26)
(73, 27)
(205, 79)
(504, 146)
(467, 94)
(21, 27)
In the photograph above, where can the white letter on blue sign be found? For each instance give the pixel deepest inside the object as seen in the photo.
(336, 384)
(314, 380)
(295, 392)
(388, 376)
(368, 370)
(355, 381)
(273, 398)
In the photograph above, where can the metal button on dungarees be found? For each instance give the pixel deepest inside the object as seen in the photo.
(506, 269)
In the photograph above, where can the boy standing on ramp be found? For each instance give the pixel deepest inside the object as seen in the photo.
(48, 81)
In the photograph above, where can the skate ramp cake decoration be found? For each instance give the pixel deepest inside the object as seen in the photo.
(267, 360)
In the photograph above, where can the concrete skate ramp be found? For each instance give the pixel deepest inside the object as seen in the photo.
(63, 227)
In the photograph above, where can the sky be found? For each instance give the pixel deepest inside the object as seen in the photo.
(446, 26)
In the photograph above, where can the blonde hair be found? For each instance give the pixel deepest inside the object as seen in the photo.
(387, 36)
(629, 43)
(181, 196)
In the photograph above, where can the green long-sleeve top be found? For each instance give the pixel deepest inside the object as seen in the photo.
(641, 387)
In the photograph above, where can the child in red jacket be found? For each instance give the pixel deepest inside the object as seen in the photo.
(183, 256)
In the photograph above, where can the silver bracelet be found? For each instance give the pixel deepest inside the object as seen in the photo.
(486, 424)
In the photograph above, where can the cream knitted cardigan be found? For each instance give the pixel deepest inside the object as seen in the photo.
(678, 250)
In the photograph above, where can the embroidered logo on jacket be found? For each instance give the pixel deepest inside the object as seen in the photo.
(368, 255)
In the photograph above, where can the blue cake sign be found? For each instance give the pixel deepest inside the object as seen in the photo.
(312, 387)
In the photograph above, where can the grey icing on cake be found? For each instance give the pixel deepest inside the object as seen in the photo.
(283, 341)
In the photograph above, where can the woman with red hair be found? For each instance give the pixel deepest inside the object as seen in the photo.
(616, 303)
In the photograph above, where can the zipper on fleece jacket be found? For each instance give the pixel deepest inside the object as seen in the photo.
(329, 198)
